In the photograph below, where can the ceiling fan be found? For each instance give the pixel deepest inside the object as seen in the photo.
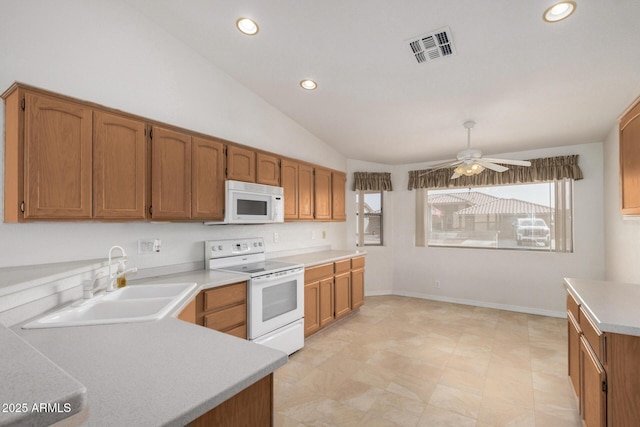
(470, 162)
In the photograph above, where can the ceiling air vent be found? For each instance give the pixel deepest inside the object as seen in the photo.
(430, 46)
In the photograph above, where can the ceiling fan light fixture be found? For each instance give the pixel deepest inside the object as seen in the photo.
(247, 26)
(559, 11)
(469, 170)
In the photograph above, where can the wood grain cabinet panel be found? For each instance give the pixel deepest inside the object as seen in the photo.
(573, 354)
(171, 174)
(327, 302)
(311, 308)
(630, 160)
(357, 288)
(241, 164)
(207, 179)
(58, 164)
(593, 395)
(305, 192)
(338, 196)
(289, 181)
(342, 294)
(322, 192)
(119, 167)
(224, 309)
(267, 169)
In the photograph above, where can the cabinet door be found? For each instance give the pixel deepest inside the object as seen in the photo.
(267, 169)
(207, 179)
(593, 396)
(305, 192)
(630, 161)
(119, 167)
(322, 187)
(57, 149)
(241, 164)
(171, 174)
(338, 202)
(327, 308)
(357, 288)
(342, 294)
(311, 308)
(574, 353)
(289, 180)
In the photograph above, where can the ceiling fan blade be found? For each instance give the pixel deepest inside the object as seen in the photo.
(508, 162)
(433, 168)
(492, 166)
(455, 175)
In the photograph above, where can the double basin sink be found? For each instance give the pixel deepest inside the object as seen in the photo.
(134, 303)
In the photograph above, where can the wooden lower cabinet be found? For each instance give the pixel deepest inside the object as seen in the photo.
(593, 386)
(253, 406)
(603, 368)
(329, 292)
(224, 309)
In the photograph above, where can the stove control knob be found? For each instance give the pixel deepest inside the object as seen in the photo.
(260, 244)
(255, 245)
(220, 247)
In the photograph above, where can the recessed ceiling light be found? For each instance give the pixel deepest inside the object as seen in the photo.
(559, 11)
(247, 26)
(308, 84)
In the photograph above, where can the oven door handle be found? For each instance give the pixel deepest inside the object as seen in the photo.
(277, 276)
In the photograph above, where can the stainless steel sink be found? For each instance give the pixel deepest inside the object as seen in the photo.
(137, 303)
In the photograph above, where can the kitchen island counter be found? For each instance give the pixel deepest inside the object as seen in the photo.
(166, 373)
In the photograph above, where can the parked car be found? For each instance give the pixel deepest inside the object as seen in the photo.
(532, 230)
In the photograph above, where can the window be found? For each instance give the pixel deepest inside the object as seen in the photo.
(525, 216)
(369, 215)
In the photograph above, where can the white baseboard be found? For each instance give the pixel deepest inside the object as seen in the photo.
(506, 307)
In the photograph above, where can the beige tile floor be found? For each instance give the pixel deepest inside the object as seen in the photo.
(411, 362)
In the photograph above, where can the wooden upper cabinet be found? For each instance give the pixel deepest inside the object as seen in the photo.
(207, 180)
(57, 153)
(630, 160)
(171, 174)
(119, 167)
(322, 187)
(267, 169)
(241, 164)
(289, 182)
(338, 201)
(305, 191)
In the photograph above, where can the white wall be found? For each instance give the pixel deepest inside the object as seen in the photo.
(510, 279)
(379, 263)
(105, 52)
(622, 244)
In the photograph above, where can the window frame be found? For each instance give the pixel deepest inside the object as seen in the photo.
(360, 216)
(561, 216)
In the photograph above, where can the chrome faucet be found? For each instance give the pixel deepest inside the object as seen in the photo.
(113, 275)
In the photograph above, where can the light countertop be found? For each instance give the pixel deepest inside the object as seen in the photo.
(613, 306)
(167, 372)
(28, 379)
(322, 257)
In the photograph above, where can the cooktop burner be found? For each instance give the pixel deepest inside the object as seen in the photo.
(260, 267)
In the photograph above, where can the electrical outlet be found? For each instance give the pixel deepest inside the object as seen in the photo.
(149, 246)
(324, 234)
(276, 238)
(437, 284)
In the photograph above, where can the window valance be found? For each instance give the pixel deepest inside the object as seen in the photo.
(372, 181)
(541, 170)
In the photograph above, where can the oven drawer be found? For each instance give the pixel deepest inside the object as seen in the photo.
(225, 320)
(314, 274)
(225, 296)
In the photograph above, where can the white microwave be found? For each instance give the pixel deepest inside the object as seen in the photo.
(248, 203)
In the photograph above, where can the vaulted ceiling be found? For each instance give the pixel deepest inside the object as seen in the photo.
(527, 83)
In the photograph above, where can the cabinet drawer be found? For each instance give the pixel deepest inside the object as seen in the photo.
(225, 296)
(573, 307)
(238, 331)
(592, 334)
(342, 266)
(226, 319)
(313, 274)
(357, 262)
